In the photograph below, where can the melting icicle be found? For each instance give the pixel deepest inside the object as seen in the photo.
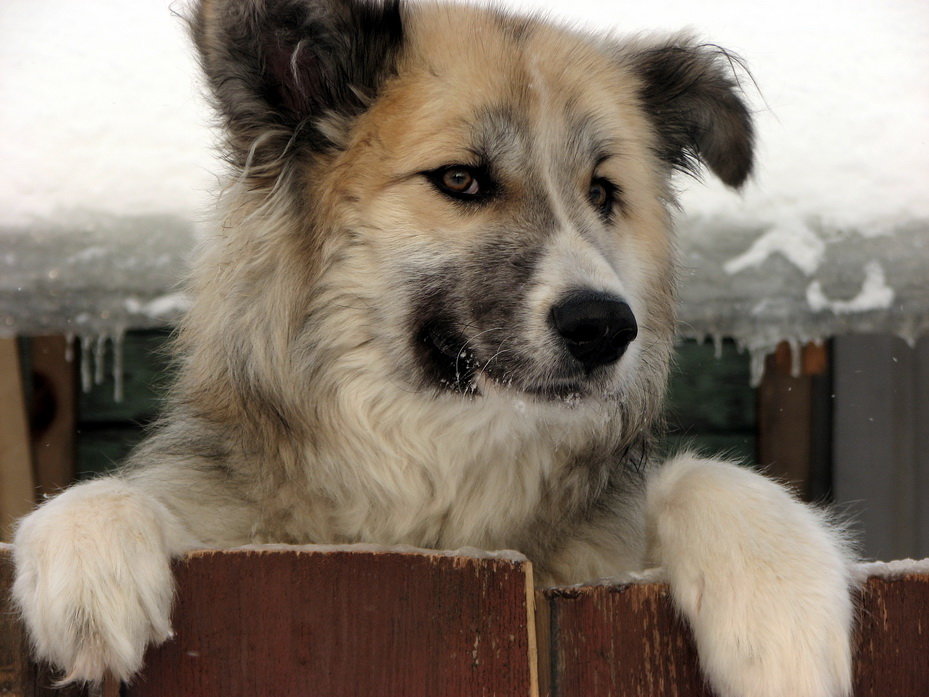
(69, 347)
(718, 345)
(758, 355)
(86, 375)
(99, 358)
(118, 365)
(796, 358)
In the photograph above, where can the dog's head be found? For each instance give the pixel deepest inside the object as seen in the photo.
(470, 202)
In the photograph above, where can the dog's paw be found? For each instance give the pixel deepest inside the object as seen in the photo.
(93, 578)
(762, 578)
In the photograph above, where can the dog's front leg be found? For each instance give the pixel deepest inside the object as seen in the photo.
(762, 578)
(93, 577)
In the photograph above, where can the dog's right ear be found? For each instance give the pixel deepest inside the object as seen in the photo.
(276, 67)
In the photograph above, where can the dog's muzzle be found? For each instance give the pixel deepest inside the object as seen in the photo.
(596, 328)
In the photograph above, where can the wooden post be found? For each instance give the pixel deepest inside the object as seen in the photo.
(794, 425)
(53, 413)
(16, 484)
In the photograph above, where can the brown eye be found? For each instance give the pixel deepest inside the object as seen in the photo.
(460, 181)
(464, 183)
(601, 195)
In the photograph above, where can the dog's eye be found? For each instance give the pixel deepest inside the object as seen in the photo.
(462, 182)
(602, 194)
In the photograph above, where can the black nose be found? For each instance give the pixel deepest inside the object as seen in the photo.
(596, 327)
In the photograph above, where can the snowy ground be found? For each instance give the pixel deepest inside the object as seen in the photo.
(107, 166)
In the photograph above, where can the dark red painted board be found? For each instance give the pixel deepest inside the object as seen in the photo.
(335, 623)
(627, 641)
(617, 641)
(299, 621)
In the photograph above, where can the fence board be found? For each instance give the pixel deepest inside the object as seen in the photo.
(627, 641)
(16, 483)
(346, 623)
(314, 621)
(53, 413)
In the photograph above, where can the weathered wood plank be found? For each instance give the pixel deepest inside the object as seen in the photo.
(628, 641)
(619, 641)
(339, 623)
(794, 418)
(893, 637)
(16, 482)
(301, 621)
(53, 413)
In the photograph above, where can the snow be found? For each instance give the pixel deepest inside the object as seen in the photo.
(108, 167)
(368, 548)
(102, 112)
(798, 244)
(875, 294)
(890, 569)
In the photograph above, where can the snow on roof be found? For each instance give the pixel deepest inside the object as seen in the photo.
(108, 168)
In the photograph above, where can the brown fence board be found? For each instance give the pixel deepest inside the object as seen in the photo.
(316, 621)
(628, 641)
(623, 640)
(345, 623)
(893, 637)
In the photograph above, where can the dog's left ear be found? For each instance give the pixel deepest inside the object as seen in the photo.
(690, 93)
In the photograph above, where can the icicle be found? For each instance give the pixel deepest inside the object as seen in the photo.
(796, 358)
(99, 358)
(86, 375)
(69, 347)
(118, 365)
(758, 355)
(718, 345)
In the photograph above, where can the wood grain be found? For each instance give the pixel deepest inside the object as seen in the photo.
(16, 482)
(628, 641)
(794, 419)
(343, 623)
(294, 621)
(892, 659)
(622, 641)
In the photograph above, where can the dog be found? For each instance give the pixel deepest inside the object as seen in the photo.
(439, 311)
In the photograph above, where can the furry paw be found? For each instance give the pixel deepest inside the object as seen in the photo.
(93, 578)
(762, 578)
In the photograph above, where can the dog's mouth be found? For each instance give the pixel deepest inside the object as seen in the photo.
(450, 360)
(447, 359)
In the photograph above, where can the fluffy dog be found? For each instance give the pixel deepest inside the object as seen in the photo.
(439, 312)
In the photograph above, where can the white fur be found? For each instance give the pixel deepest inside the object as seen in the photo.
(762, 579)
(93, 578)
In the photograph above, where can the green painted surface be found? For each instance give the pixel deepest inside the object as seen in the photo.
(107, 429)
(710, 404)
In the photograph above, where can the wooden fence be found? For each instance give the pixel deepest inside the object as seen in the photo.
(334, 622)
